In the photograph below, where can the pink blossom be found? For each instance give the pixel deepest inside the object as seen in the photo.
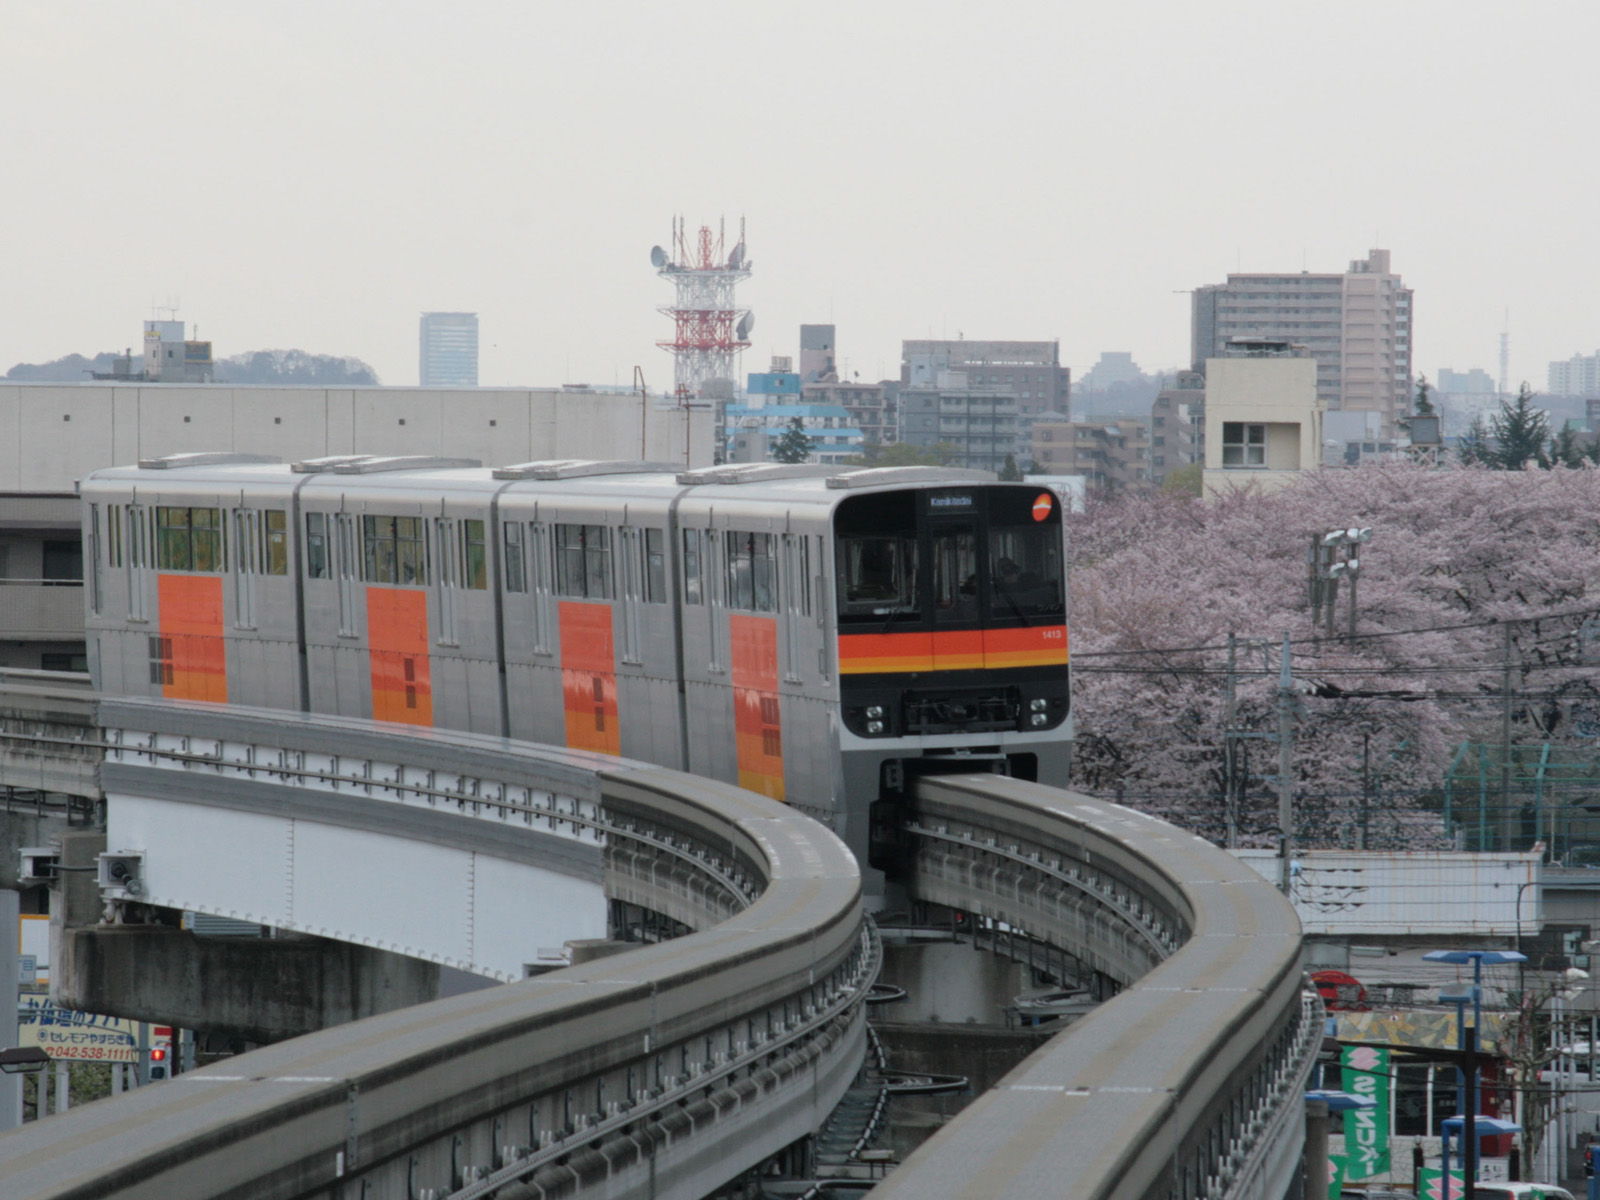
(1453, 552)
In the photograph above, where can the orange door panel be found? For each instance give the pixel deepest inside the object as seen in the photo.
(190, 657)
(397, 645)
(756, 714)
(589, 677)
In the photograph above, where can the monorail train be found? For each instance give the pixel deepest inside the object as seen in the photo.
(814, 634)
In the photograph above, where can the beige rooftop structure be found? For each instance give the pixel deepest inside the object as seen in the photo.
(1263, 417)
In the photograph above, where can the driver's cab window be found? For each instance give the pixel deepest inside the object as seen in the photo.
(880, 574)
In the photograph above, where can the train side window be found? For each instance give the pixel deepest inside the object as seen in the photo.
(277, 522)
(798, 564)
(583, 561)
(114, 535)
(246, 557)
(752, 572)
(189, 539)
(411, 552)
(94, 558)
(516, 570)
(691, 566)
(655, 566)
(378, 546)
(316, 546)
(393, 550)
(477, 560)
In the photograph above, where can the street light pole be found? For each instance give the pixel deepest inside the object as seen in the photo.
(1469, 1049)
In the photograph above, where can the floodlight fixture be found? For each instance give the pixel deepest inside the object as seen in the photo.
(23, 1060)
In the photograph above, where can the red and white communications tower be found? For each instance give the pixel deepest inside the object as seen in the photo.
(709, 327)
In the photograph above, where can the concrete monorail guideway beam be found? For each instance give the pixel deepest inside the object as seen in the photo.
(1190, 1081)
(665, 1071)
(669, 1070)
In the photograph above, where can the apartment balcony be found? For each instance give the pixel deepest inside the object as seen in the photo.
(39, 610)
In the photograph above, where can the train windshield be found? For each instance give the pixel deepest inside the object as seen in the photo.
(989, 556)
(1025, 571)
(879, 562)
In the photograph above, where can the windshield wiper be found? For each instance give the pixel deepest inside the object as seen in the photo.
(894, 612)
(1014, 608)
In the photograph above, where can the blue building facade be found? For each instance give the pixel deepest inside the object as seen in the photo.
(772, 400)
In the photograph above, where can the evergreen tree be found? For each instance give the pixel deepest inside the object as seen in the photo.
(1564, 449)
(794, 444)
(1424, 406)
(1474, 448)
(1010, 473)
(1521, 431)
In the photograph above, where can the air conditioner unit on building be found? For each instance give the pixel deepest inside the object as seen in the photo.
(39, 865)
(122, 874)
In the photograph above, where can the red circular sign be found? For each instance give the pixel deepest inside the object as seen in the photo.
(1042, 505)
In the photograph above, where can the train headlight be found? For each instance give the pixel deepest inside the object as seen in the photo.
(875, 726)
(875, 712)
(1038, 706)
(1039, 718)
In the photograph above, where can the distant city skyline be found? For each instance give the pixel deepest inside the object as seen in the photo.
(307, 222)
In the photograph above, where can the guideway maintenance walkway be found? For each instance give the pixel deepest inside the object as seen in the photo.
(674, 1068)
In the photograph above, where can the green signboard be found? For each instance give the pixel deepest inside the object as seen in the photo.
(1366, 1130)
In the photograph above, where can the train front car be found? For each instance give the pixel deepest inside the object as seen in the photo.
(952, 627)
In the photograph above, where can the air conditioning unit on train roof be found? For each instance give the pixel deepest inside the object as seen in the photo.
(736, 473)
(581, 468)
(371, 465)
(883, 476)
(208, 458)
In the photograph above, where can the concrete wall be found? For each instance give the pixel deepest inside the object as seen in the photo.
(1278, 392)
(53, 434)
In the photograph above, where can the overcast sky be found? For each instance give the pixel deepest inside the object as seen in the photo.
(315, 175)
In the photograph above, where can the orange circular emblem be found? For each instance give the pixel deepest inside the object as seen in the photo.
(1042, 506)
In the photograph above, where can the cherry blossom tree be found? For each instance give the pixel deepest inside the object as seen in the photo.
(1457, 558)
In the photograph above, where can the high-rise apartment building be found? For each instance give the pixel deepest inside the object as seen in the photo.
(1178, 426)
(1111, 455)
(978, 421)
(1031, 371)
(1578, 376)
(448, 350)
(1358, 327)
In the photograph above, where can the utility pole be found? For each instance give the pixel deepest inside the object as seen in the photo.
(1366, 788)
(1507, 823)
(1230, 798)
(1285, 765)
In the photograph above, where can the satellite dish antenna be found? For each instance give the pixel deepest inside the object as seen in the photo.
(746, 324)
(737, 257)
(658, 257)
